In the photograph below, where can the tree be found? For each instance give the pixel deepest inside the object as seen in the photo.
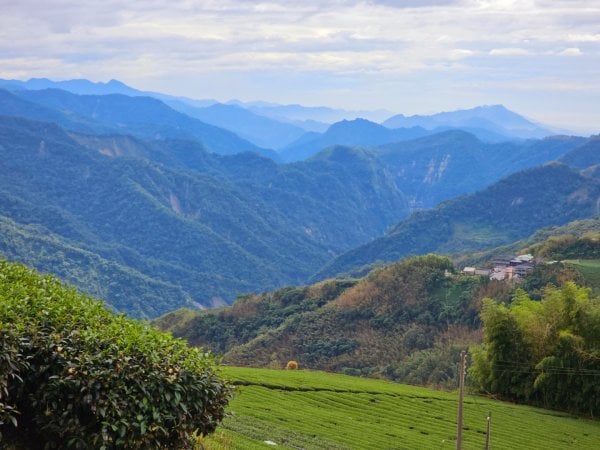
(545, 352)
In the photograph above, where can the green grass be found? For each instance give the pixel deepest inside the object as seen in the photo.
(589, 270)
(318, 410)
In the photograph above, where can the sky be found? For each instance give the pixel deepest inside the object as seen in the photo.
(540, 58)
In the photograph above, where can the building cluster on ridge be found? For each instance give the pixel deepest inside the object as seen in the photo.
(505, 268)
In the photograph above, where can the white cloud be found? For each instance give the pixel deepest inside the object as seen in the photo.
(374, 46)
(584, 37)
(571, 51)
(510, 51)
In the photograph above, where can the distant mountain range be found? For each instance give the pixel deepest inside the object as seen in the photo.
(261, 130)
(300, 114)
(143, 117)
(357, 132)
(86, 87)
(274, 126)
(494, 119)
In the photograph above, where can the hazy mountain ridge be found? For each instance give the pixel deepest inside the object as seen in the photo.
(144, 117)
(357, 132)
(585, 155)
(87, 87)
(262, 131)
(271, 125)
(495, 118)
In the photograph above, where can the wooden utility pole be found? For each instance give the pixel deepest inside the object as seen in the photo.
(461, 394)
(489, 431)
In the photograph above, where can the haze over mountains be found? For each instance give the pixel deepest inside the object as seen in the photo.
(155, 202)
(279, 125)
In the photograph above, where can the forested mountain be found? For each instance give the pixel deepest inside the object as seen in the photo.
(585, 155)
(577, 229)
(262, 131)
(390, 323)
(510, 209)
(143, 117)
(496, 119)
(127, 195)
(406, 321)
(169, 217)
(451, 163)
(357, 132)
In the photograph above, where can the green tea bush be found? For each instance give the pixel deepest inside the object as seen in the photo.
(75, 375)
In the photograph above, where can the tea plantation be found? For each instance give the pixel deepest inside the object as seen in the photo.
(318, 410)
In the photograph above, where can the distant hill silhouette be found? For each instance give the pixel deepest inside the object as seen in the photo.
(495, 118)
(357, 132)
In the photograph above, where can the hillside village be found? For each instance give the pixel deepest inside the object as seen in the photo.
(505, 268)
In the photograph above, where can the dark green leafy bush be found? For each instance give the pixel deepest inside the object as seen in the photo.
(75, 375)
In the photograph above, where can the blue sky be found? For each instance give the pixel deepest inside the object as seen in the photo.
(540, 58)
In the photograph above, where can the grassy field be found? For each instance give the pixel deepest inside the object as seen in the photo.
(317, 410)
(589, 269)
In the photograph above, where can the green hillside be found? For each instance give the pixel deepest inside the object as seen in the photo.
(589, 270)
(451, 163)
(406, 321)
(178, 225)
(509, 210)
(534, 243)
(318, 410)
(585, 155)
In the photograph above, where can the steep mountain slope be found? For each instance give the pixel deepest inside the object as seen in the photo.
(511, 209)
(495, 118)
(448, 164)
(201, 233)
(342, 198)
(357, 132)
(205, 226)
(380, 324)
(585, 155)
(144, 117)
(12, 105)
(82, 265)
(262, 131)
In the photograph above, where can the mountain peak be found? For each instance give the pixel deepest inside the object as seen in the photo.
(116, 83)
(496, 119)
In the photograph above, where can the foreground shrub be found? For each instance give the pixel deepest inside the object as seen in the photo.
(75, 375)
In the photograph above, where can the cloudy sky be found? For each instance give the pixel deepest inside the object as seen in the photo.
(538, 57)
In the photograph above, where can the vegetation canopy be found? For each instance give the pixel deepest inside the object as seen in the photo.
(74, 375)
(543, 352)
